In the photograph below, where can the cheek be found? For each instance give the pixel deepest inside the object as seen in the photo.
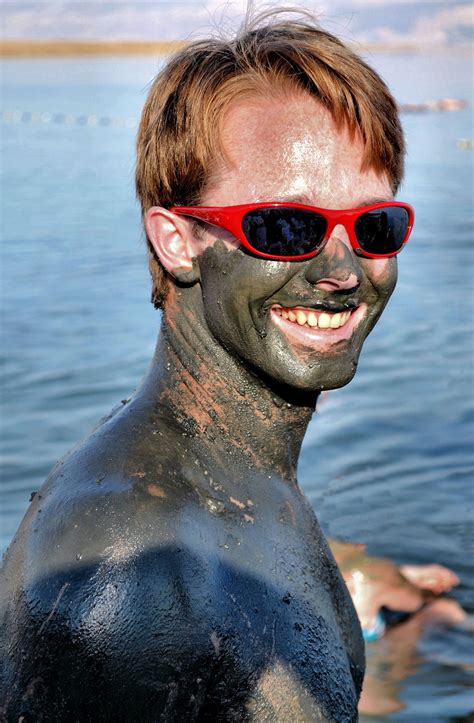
(382, 274)
(235, 287)
(239, 279)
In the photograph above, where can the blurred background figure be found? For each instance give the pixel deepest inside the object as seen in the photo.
(385, 594)
(399, 604)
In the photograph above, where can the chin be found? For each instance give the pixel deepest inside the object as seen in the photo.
(337, 383)
(323, 383)
(317, 376)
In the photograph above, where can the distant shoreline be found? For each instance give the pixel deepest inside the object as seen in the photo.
(64, 48)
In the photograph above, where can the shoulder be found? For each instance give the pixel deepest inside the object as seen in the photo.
(106, 510)
(108, 497)
(99, 597)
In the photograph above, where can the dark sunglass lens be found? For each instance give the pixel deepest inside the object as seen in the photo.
(284, 231)
(382, 230)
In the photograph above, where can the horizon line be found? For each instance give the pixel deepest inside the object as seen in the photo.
(63, 47)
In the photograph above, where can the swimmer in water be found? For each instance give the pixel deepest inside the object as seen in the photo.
(385, 594)
(398, 604)
(171, 568)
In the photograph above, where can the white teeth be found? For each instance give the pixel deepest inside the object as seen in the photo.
(301, 317)
(324, 320)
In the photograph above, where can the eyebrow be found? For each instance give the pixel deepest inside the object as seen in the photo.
(298, 198)
(376, 199)
(304, 200)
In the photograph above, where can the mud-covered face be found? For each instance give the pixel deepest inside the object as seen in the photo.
(302, 323)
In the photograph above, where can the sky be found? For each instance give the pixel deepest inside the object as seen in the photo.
(442, 22)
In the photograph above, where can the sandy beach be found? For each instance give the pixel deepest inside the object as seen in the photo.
(62, 48)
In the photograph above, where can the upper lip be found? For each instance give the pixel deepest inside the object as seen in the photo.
(332, 306)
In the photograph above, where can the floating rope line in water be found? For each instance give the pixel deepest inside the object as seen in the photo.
(67, 119)
(91, 121)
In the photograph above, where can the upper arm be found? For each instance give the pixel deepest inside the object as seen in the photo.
(118, 630)
(102, 615)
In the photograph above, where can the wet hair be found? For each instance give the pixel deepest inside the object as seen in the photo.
(178, 143)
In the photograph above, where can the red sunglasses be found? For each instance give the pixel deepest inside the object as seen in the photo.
(292, 231)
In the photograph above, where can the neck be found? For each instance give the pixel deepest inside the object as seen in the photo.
(229, 412)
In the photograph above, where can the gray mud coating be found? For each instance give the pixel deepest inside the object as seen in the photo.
(171, 562)
(239, 290)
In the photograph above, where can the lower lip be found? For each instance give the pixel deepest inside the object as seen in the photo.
(313, 337)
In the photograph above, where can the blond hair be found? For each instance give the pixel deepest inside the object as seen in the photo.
(178, 142)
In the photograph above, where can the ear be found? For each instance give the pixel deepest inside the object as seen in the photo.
(172, 240)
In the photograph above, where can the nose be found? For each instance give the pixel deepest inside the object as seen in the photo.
(336, 267)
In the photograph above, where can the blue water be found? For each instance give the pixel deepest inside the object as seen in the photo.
(387, 460)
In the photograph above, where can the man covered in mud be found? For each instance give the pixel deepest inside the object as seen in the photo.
(171, 568)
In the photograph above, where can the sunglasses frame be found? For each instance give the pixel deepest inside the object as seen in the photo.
(230, 218)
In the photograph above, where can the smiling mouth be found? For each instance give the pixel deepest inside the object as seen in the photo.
(313, 318)
(315, 328)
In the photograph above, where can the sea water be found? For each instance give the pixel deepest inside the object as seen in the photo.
(387, 460)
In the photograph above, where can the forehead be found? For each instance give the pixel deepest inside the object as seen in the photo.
(289, 147)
